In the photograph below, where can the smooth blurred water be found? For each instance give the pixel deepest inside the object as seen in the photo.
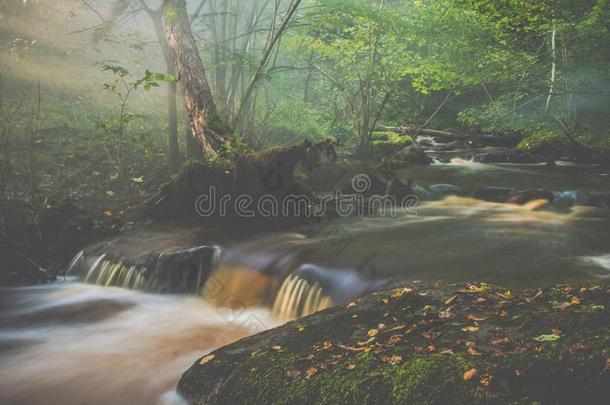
(72, 343)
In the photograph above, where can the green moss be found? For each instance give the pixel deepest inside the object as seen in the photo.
(548, 143)
(355, 366)
(385, 142)
(218, 125)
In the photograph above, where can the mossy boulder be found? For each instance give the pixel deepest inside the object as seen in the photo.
(471, 343)
(386, 143)
(545, 143)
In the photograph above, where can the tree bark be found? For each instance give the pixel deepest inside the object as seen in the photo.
(198, 97)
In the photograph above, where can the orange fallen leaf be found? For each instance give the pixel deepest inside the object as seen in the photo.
(311, 371)
(394, 339)
(470, 374)
(450, 300)
(207, 359)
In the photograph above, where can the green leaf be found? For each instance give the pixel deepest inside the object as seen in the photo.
(547, 338)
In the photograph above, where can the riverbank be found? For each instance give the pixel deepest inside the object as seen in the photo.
(468, 343)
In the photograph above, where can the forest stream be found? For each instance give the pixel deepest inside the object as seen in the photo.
(106, 334)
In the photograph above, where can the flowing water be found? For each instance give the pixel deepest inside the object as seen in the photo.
(137, 311)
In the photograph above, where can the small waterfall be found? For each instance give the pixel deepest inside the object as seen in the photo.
(268, 272)
(173, 272)
(297, 297)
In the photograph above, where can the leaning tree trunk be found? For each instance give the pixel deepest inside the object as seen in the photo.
(198, 97)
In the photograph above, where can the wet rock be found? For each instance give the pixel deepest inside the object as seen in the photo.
(415, 155)
(599, 201)
(175, 272)
(399, 189)
(525, 196)
(441, 190)
(418, 344)
(492, 194)
(327, 175)
(498, 140)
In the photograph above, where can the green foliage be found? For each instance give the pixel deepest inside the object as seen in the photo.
(388, 142)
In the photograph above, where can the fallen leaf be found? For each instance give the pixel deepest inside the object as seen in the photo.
(277, 348)
(470, 374)
(394, 339)
(578, 347)
(327, 345)
(485, 380)
(508, 295)
(350, 366)
(547, 338)
(575, 301)
(503, 313)
(535, 297)
(311, 371)
(395, 359)
(138, 179)
(431, 335)
(556, 331)
(385, 300)
(372, 332)
(381, 326)
(473, 351)
(293, 374)
(519, 373)
(351, 305)
(450, 300)
(482, 287)
(446, 314)
(301, 328)
(207, 359)
(399, 292)
(448, 351)
(564, 305)
(500, 341)
(471, 329)
(108, 213)
(477, 318)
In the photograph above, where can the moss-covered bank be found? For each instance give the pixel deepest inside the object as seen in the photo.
(425, 345)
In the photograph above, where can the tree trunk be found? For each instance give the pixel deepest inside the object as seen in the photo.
(172, 108)
(260, 70)
(199, 103)
(172, 121)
